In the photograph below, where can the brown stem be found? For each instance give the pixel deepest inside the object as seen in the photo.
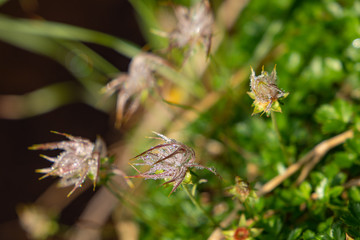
(351, 183)
(321, 150)
(312, 158)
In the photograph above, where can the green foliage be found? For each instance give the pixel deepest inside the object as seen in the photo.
(351, 219)
(334, 118)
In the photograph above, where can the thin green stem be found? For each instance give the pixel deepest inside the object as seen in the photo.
(134, 208)
(281, 141)
(198, 205)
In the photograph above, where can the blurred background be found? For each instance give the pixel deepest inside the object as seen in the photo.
(23, 72)
(56, 56)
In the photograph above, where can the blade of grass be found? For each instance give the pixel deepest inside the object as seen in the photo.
(67, 54)
(46, 47)
(146, 13)
(31, 104)
(67, 32)
(86, 53)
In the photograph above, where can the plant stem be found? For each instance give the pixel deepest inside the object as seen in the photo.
(281, 141)
(198, 205)
(134, 208)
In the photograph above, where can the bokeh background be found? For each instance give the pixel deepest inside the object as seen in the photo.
(23, 72)
(50, 79)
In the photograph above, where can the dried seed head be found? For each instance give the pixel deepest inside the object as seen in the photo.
(240, 190)
(79, 158)
(169, 161)
(141, 76)
(265, 92)
(194, 25)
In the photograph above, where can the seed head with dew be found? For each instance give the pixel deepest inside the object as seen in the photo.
(194, 25)
(265, 92)
(80, 158)
(130, 86)
(170, 161)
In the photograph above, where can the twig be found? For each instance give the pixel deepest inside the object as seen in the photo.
(321, 150)
(316, 154)
(351, 183)
(276, 181)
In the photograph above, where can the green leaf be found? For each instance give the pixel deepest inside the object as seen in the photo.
(353, 144)
(275, 224)
(333, 126)
(349, 219)
(344, 110)
(354, 208)
(295, 234)
(354, 194)
(330, 170)
(325, 225)
(308, 235)
(336, 191)
(339, 179)
(325, 113)
(327, 116)
(323, 237)
(344, 159)
(337, 233)
(334, 118)
(305, 189)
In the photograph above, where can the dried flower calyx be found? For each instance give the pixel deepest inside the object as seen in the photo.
(79, 158)
(130, 86)
(194, 25)
(169, 161)
(265, 92)
(240, 190)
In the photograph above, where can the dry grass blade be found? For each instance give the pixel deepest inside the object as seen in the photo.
(355, 182)
(320, 150)
(312, 158)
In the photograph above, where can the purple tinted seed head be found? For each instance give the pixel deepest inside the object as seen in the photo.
(141, 76)
(79, 158)
(194, 25)
(169, 161)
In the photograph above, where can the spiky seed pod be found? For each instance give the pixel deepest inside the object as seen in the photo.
(129, 86)
(194, 25)
(79, 158)
(169, 161)
(265, 92)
